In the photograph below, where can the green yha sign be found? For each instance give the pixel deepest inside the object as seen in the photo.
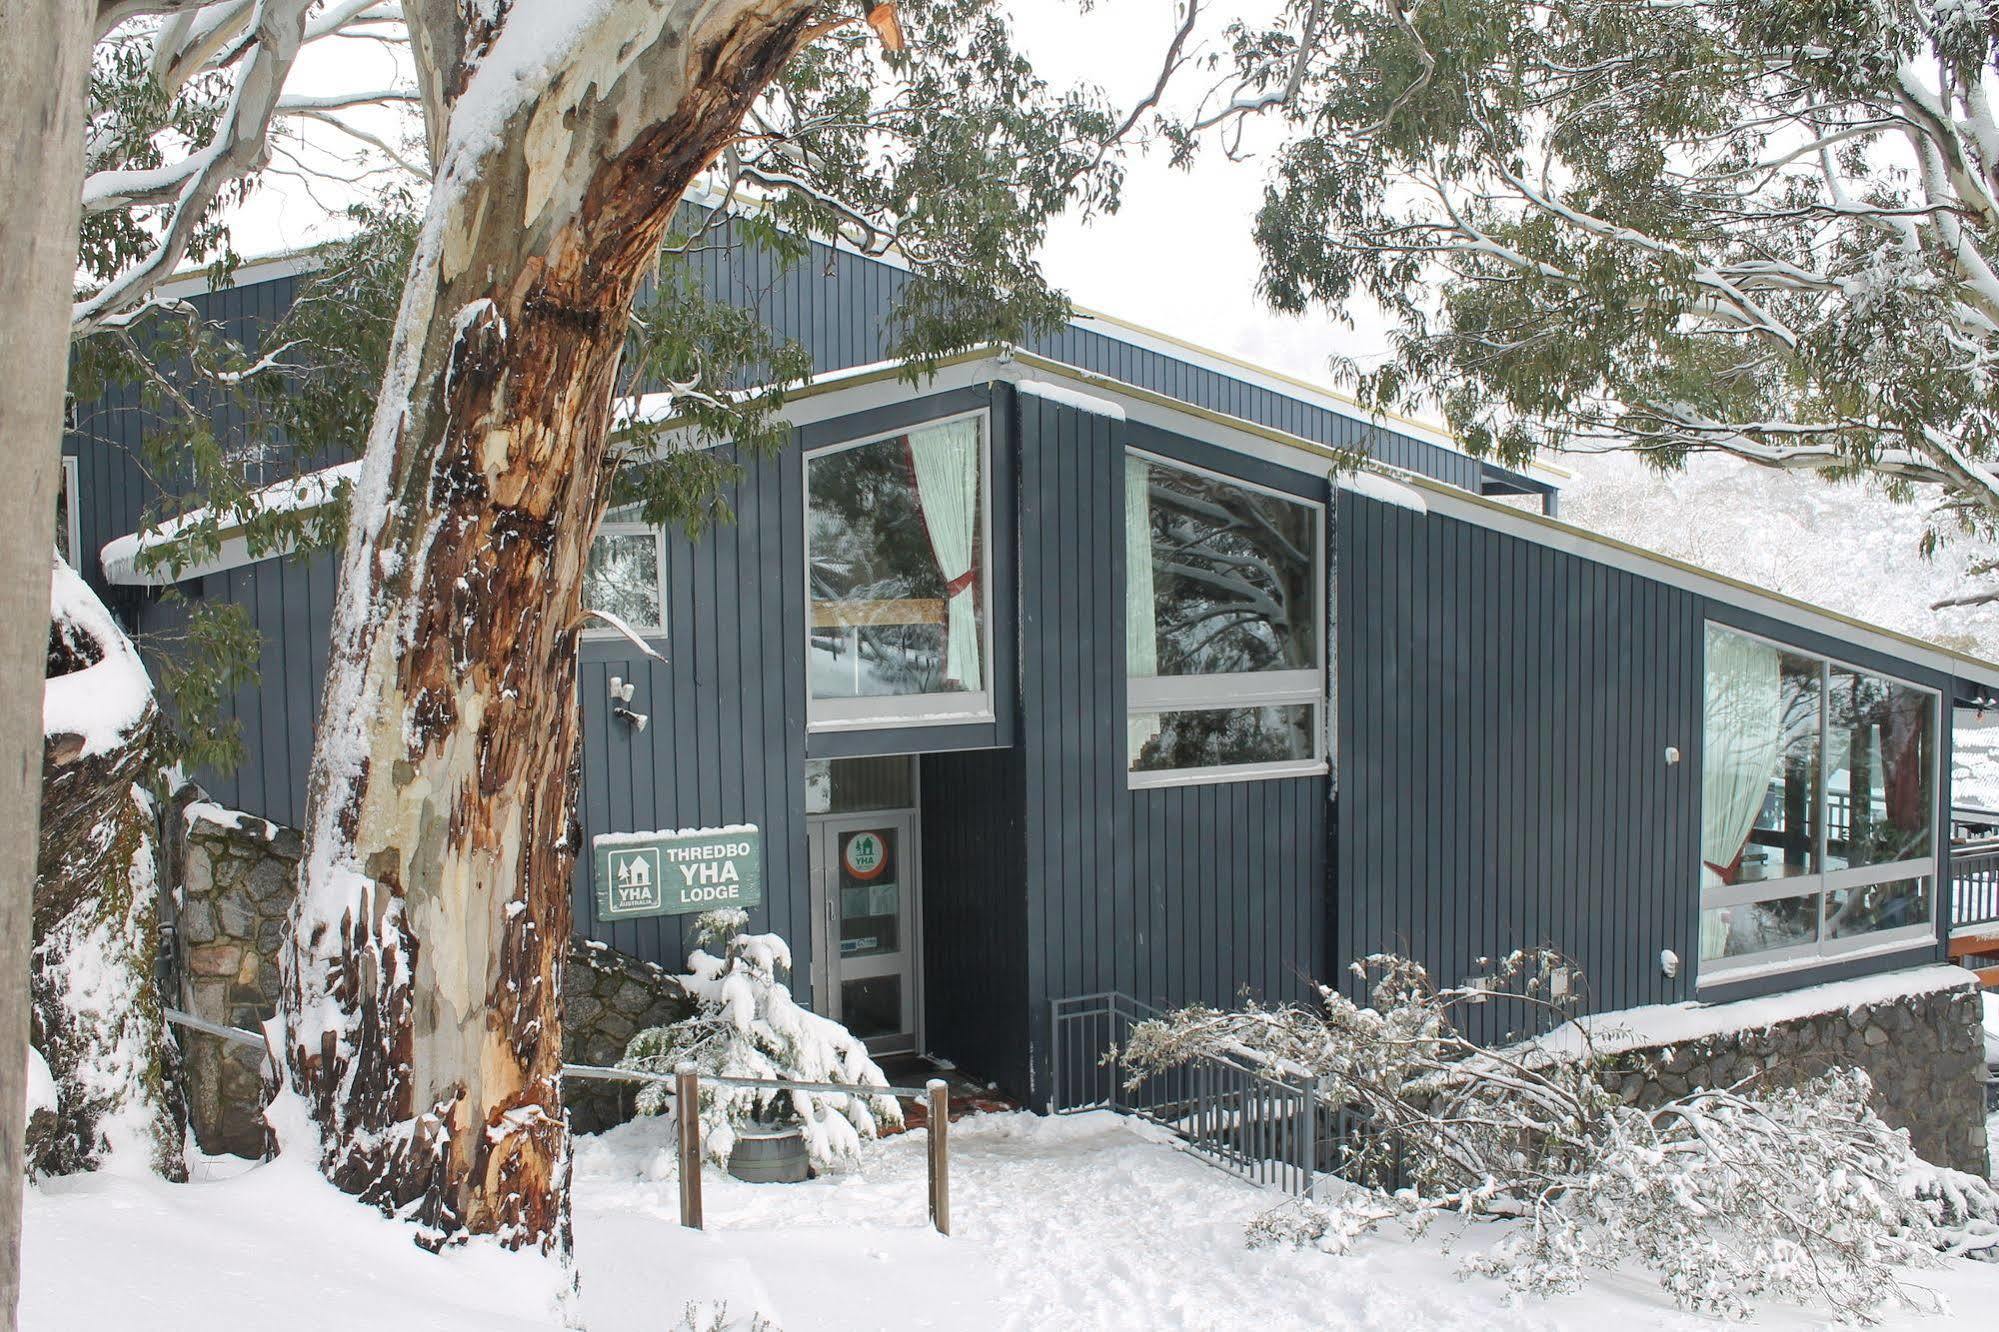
(678, 873)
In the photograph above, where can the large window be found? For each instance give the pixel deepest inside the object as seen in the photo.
(1223, 632)
(625, 575)
(898, 602)
(1818, 808)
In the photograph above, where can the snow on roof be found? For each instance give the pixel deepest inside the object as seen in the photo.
(121, 556)
(105, 701)
(1068, 397)
(1679, 1024)
(1375, 486)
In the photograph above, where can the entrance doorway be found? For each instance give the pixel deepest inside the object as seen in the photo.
(865, 891)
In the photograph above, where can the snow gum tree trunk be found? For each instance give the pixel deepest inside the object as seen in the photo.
(421, 1022)
(44, 60)
(97, 1004)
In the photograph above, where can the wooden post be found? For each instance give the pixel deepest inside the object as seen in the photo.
(687, 1113)
(940, 1154)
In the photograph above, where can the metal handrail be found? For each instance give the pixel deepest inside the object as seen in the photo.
(1257, 1120)
(1974, 885)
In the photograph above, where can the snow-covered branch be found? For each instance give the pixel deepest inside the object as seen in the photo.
(1728, 1195)
(172, 137)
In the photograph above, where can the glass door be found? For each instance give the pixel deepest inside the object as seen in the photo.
(864, 881)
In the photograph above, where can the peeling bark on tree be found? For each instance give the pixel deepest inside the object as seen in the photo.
(423, 1020)
(97, 1015)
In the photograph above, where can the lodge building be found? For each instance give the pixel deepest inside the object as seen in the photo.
(1093, 666)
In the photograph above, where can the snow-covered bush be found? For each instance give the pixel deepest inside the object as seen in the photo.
(746, 1025)
(1727, 1195)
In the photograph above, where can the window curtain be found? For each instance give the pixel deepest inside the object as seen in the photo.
(1743, 744)
(945, 461)
(1141, 612)
(1743, 739)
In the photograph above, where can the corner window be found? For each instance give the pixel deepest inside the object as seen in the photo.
(626, 575)
(1224, 636)
(898, 608)
(1818, 804)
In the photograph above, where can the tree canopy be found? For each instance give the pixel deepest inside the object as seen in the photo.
(1753, 226)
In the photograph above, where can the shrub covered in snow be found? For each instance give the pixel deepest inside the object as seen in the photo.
(1727, 1195)
(746, 1025)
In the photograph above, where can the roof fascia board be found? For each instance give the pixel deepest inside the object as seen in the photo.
(195, 282)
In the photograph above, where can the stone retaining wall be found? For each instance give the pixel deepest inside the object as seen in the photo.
(237, 875)
(1924, 1052)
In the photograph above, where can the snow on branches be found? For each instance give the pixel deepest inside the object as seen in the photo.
(1729, 1196)
(746, 1025)
(1758, 227)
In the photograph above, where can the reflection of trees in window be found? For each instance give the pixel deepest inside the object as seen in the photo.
(622, 578)
(1232, 576)
(1881, 752)
(1213, 737)
(878, 601)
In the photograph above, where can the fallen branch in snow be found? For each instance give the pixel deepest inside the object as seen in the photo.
(1729, 1196)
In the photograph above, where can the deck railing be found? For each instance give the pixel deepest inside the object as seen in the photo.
(1250, 1119)
(1974, 886)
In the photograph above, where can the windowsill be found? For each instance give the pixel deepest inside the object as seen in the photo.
(902, 721)
(1255, 772)
(1763, 970)
(613, 636)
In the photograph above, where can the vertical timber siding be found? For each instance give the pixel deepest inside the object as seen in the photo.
(975, 911)
(1179, 895)
(1504, 714)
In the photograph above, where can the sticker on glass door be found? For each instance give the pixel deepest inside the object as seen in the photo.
(870, 921)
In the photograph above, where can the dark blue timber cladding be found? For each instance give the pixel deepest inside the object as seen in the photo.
(1177, 895)
(975, 911)
(726, 739)
(113, 483)
(839, 307)
(290, 604)
(1504, 714)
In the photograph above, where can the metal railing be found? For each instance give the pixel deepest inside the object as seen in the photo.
(1974, 885)
(1255, 1121)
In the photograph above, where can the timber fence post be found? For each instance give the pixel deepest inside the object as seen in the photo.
(940, 1154)
(687, 1116)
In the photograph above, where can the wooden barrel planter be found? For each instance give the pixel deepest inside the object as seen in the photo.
(770, 1156)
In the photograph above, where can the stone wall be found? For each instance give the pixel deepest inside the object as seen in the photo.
(606, 997)
(237, 875)
(1924, 1052)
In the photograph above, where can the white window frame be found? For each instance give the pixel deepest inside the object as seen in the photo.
(72, 519)
(595, 628)
(1224, 692)
(962, 708)
(1822, 883)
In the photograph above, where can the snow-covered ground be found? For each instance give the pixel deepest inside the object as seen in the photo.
(1080, 1223)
